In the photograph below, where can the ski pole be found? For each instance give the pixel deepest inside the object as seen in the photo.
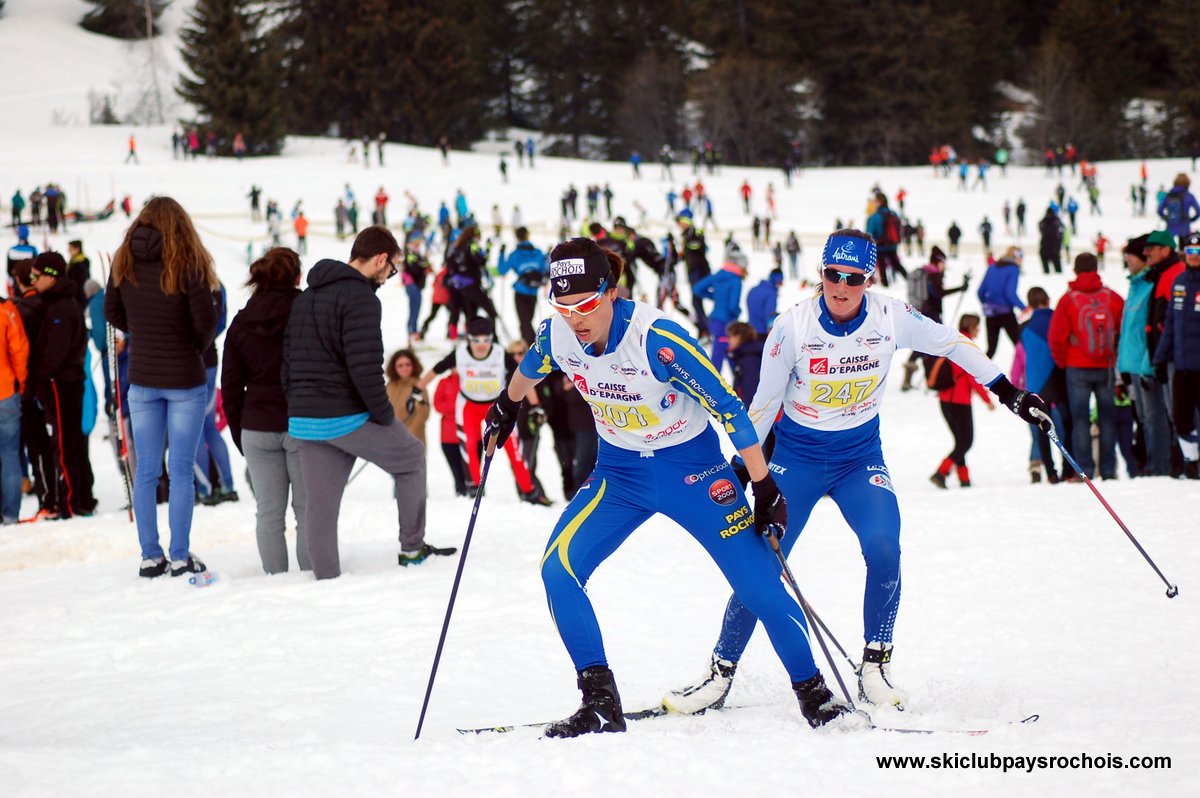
(462, 561)
(961, 296)
(806, 608)
(1172, 590)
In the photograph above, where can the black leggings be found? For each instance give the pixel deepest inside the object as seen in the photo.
(962, 427)
(526, 308)
(1006, 322)
(453, 457)
(475, 302)
(1185, 401)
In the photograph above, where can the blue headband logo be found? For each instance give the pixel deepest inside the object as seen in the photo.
(845, 254)
(850, 251)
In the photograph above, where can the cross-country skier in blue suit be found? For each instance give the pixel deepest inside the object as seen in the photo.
(652, 391)
(826, 363)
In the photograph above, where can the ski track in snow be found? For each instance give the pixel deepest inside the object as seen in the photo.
(1018, 598)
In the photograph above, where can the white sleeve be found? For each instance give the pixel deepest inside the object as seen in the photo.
(779, 358)
(919, 332)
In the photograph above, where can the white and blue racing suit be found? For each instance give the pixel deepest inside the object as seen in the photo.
(652, 392)
(829, 378)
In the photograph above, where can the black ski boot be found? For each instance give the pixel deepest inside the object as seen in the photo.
(817, 704)
(601, 708)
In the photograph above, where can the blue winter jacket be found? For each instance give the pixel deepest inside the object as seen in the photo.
(1035, 337)
(1133, 356)
(1189, 210)
(761, 303)
(527, 261)
(724, 288)
(998, 290)
(1180, 342)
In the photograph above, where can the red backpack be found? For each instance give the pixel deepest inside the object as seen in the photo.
(891, 229)
(1095, 328)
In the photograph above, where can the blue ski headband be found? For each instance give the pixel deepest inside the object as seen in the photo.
(850, 251)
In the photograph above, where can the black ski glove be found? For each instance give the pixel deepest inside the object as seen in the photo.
(769, 506)
(502, 418)
(413, 399)
(1161, 374)
(740, 471)
(1023, 403)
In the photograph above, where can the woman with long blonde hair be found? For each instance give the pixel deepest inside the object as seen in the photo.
(160, 295)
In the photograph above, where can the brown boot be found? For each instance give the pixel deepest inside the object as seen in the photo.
(910, 368)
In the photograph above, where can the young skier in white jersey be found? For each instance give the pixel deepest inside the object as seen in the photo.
(826, 362)
(652, 390)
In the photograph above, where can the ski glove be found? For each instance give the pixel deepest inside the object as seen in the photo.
(501, 418)
(1161, 374)
(769, 505)
(413, 399)
(1023, 403)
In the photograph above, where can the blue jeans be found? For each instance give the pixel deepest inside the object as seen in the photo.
(159, 415)
(414, 306)
(1081, 385)
(211, 443)
(1152, 414)
(10, 458)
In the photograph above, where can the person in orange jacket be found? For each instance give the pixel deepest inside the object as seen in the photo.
(301, 226)
(14, 371)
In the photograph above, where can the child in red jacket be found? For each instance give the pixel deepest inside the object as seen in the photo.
(445, 398)
(956, 409)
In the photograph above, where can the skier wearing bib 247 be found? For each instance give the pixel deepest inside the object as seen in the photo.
(826, 362)
(651, 390)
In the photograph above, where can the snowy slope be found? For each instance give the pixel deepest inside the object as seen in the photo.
(1019, 599)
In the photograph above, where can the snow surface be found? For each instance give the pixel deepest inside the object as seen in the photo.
(1020, 599)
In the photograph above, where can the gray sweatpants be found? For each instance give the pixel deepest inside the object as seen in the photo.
(274, 462)
(326, 466)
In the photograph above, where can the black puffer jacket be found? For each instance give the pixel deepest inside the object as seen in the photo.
(61, 339)
(168, 334)
(251, 391)
(333, 350)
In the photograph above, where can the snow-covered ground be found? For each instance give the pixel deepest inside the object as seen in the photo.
(1020, 599)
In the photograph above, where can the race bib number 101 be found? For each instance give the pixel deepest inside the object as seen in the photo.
(623, 416)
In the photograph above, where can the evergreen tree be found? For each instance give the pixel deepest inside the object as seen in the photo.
(415, 69)
(749, 108)
(123, 19)
(236, 83)
(566, 68)
(1173, 73)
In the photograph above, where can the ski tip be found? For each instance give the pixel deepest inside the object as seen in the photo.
(490, 729)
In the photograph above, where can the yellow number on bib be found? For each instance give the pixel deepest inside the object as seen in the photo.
(840, 393)
(623, 416)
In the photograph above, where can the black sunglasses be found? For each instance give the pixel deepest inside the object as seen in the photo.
(851, 278)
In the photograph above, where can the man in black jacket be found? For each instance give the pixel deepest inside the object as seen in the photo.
(338, 407)
(694, 256)
(56, 379)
